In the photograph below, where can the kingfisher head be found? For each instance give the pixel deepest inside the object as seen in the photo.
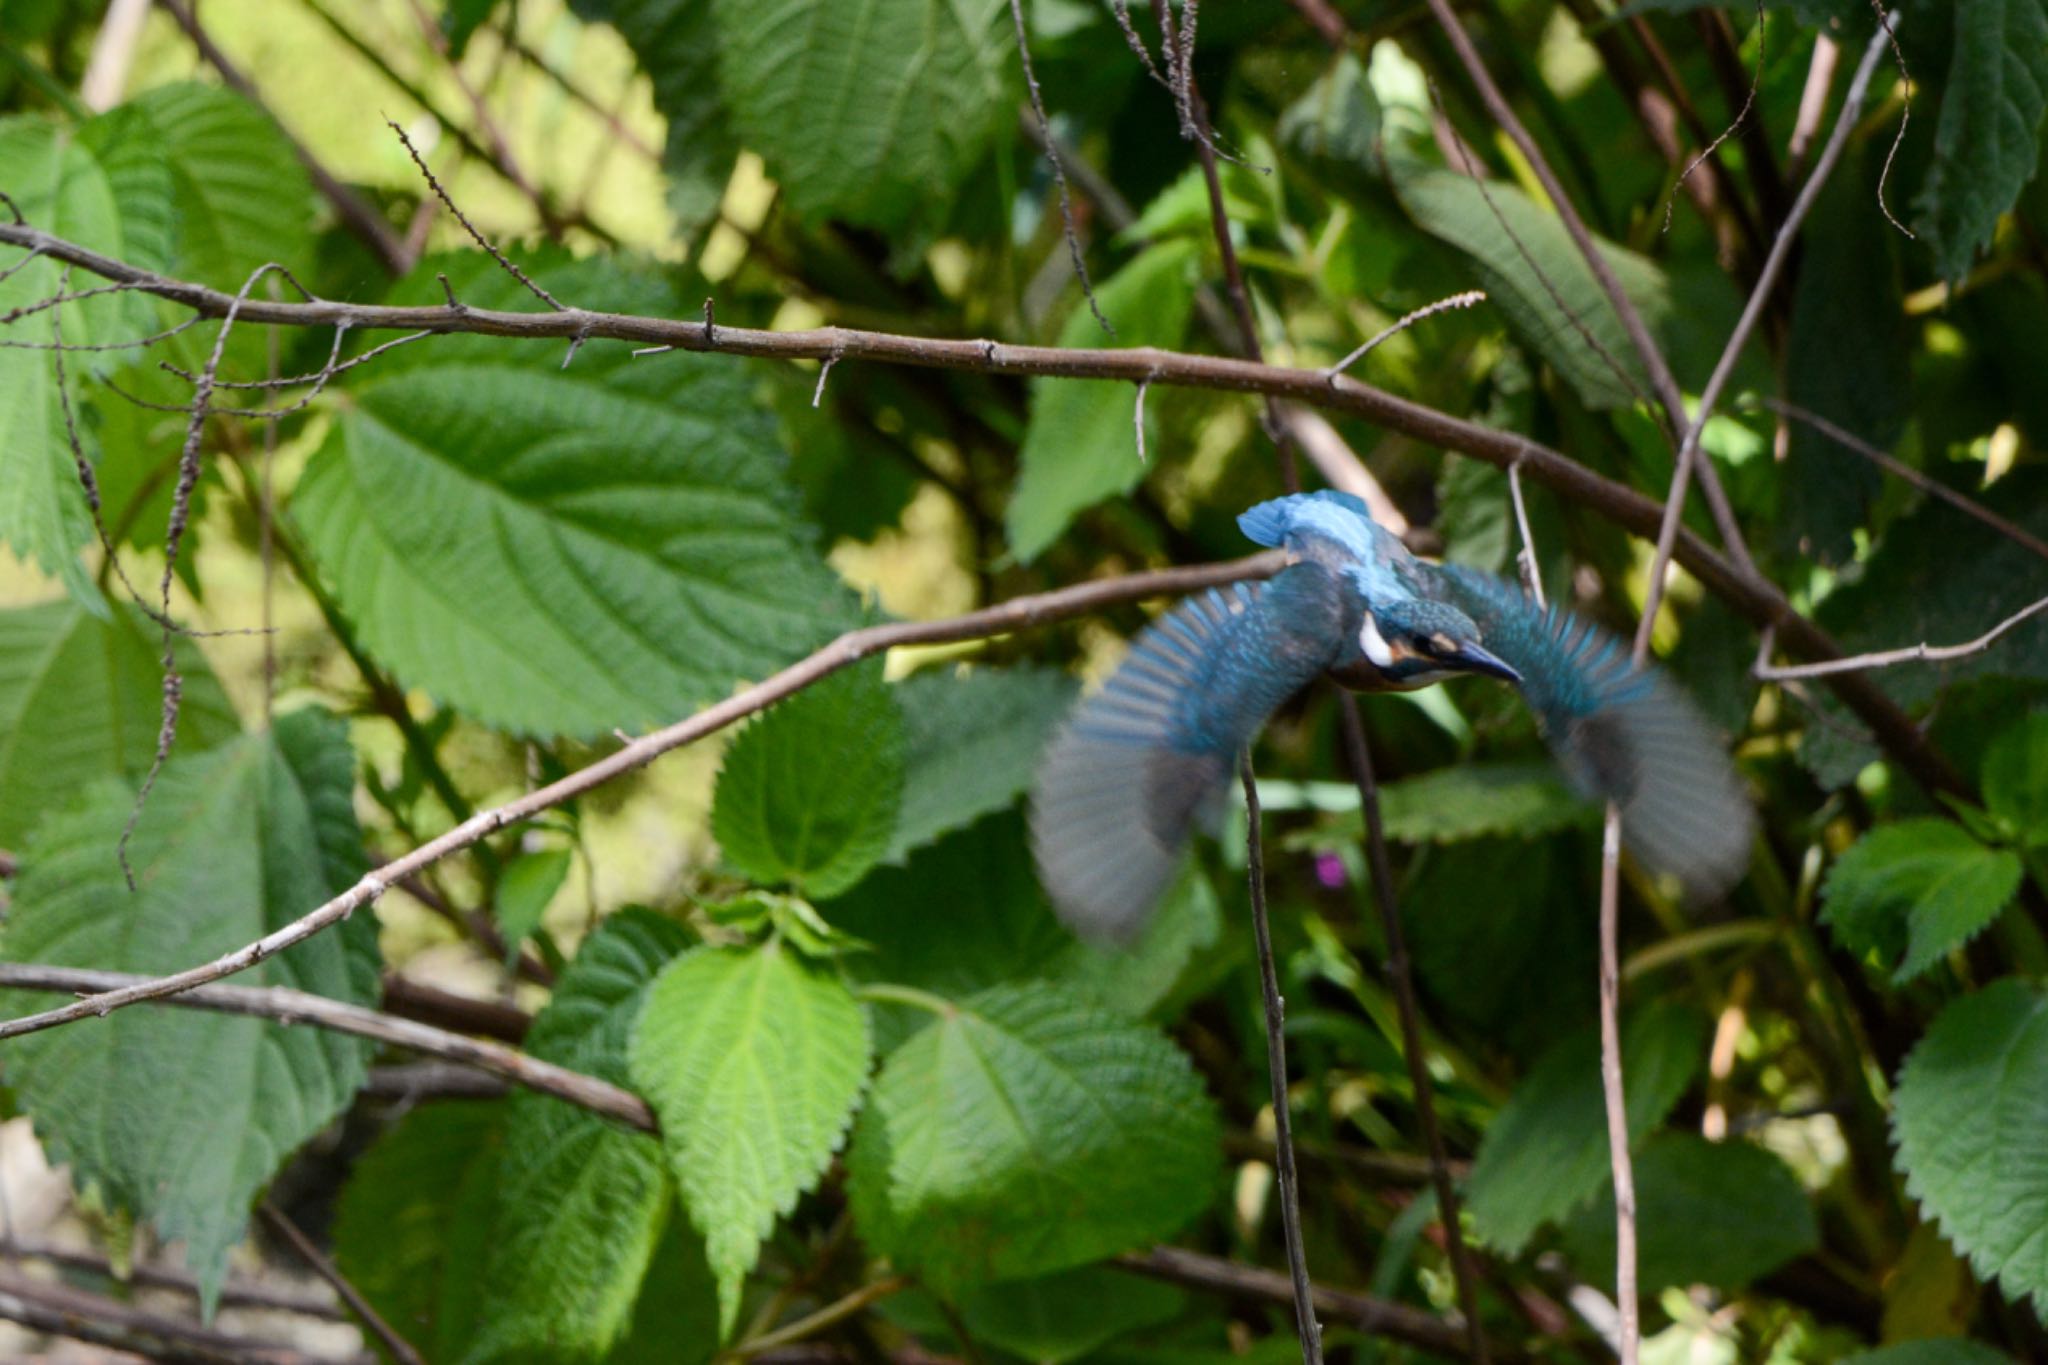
(1414, 641)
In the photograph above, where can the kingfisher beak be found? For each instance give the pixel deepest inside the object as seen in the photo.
(1473, 659)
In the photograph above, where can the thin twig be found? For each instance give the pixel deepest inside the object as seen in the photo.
(1059, 170)
(1525, 557)
(1403, 323)
(62, 1311)
(1898, 468)
(1741, 115)
(1305, 1325)
(1620, 1164)
(235, 1293)
(503, 261)
(1909, 654)
(1414, 1046)
(811, 1324)
(401, 1350)
(1747, 591)
(1016, 614)
(1813, 103)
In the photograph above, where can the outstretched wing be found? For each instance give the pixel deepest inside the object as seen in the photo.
(1621, 733)
(1136, 765)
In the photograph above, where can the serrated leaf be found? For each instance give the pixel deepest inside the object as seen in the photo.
(1935, 1351)
(1546, 1152)
(1986, 143)
(413, 1221)
(235, 842)
(1716, 1213)
(1971, 1103)
(564, 551)
(1080, 447)
(808, 794)
(1029, 1131)
(80, 698)
(1598, 361)
(971, 744)
(1912, 892)
(578, 1202)
(58, 186)
(753, 1059)
(2016, 778)
(874, 111)
(676, 44)
(525, 889)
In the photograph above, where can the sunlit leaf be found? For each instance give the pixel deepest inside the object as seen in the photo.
(1912, 892)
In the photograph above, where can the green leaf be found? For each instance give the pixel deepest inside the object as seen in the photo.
(1029, 1131)
(1848, 359)
(1049, 1320)
(1598, 361)
(676, 44)
(80, 699)
(1912, 892)
(1461, 802)
(809, 792)
(971, 744)
(578, 1202)
(235, 842)
(1986, 143)
(526, 888)
(875, 111)
(59, 187)
(753, 1058)
(1972, 1099)
(1143, 977)
(1933, 1351)
(412, 1225)
(2015, 779)
(1546, 1152)
(1080, 447)
(1717, 1213)
(564, 551)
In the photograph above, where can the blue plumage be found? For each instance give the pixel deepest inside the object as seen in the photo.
(1143, 760)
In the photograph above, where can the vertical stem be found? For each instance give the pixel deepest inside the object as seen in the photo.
(1305, 1324)
(1630, 1325)
(1400, 972)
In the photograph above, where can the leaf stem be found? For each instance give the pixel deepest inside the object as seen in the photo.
(888, 992)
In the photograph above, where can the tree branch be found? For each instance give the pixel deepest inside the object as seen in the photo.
(401, 1350)
(99, 1321)
(1745, 590)
(1016, 614)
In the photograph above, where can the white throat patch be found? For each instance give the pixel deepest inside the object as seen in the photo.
(1374, 645)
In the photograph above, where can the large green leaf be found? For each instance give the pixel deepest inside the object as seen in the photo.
(972, 742)
(1968, 1114)
(80, 700)
(1987, 141)
(1848, 359)
(809, 792)
(1911, 893)
(1546, 1153)
(676, 43)
(411, 1228)
(753, 1058)
(873, 111)
(59, 187)
(180, 1115)
(578, 1202)
(564, 551)
(1080, 447)
(1718, 1213)
(1027, 1131)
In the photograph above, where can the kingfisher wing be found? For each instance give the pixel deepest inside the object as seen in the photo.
(1140, 761)
(1621, 733)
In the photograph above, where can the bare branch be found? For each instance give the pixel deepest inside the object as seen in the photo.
(1910, 654)
(1898, 468)
(65, 1312)
(1741, 115)
(1306, 1328)
(1017, 614)
(235, 1293)
(1744, 589)
(1059, 171)
(1525, 557)
(1620, 1164)
(401, 1350)
(504, 262)
(1401, 324)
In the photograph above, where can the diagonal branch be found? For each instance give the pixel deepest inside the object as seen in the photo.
(1743, 589)
(1016, 614)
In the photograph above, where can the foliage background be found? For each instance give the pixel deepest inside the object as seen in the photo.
(887, 1084)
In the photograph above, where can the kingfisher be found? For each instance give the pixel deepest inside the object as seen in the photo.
(1143, 760)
